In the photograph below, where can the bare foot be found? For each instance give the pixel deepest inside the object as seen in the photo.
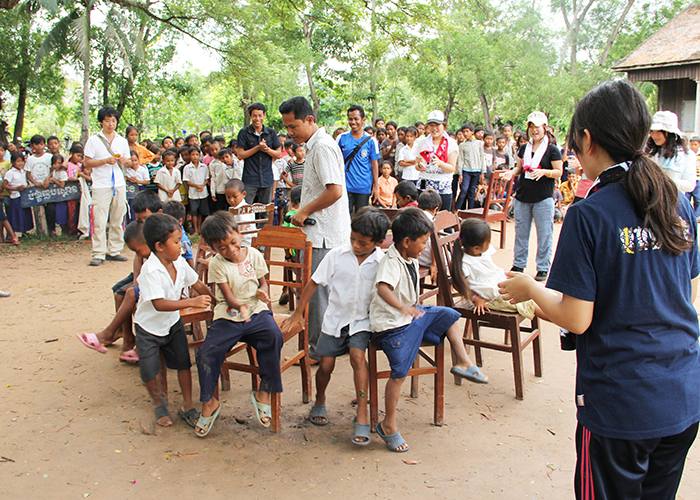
(164, 421)
(108, 338)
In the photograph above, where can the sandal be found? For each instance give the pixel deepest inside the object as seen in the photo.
(15, 241)
(318, 412)
(162, 411)
(190, 416)
(206, 423)
(90, 340)
(129, 356)
(472, 374)
(360, 431)
(261, 410)
(393, 441)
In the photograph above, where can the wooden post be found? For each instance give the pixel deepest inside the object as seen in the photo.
(696, 130)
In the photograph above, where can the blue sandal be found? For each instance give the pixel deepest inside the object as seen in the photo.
(361, 431)
(261, 410)
(393, 441)
(472, 374)
(206, 423)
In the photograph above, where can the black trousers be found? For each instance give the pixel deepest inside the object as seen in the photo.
(621, 469)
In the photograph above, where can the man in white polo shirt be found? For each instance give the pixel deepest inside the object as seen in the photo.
(107, 153)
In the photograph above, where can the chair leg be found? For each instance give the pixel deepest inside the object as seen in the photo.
(477, 349)
(305, 365)
(253, 360)
(439, 389)
(373, 387)
(503, 233)
(197, 333)
(516, 349)
(275, 403)
(537, 349)
(414, 378)
(225, 379)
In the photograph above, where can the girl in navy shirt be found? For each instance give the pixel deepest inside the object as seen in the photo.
(626, 265)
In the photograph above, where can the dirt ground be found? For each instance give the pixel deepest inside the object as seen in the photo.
(78, 424)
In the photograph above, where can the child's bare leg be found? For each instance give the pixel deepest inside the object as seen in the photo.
(459, 353)
(184, 377)
(151, 385)
(8, 229)
(125, 309)
(391, 399)
(361, 379)
(323, 378)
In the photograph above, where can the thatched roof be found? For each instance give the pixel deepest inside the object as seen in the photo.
(676, 43)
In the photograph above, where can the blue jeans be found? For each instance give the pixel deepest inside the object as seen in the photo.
(694, 197)
(470, 181)
(543, 214)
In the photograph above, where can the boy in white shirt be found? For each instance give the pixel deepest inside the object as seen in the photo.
(38, 169)
(159, 327)
(349, 272)
(195, 176)
(168, 179)
(235, 197)
(407, 158)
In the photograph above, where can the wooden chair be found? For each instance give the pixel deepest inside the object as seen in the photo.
(257, 209)
(509, 322)
(498, 193)
(390, 212)
(271, 237)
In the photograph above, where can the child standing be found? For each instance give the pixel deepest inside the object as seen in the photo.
(241, 313)
(400, 324)
(349, 272)
(159, 327)
(295, 168)
(57, 213)
(73, 164)
(501, 159)
(488, 155)
(407, 158)
(38, 170)
(235, 197)
(15, 181)
(5, 226)
(195, 176)
(168, 179)
(217, 169)
(153, 167)
(386, 184)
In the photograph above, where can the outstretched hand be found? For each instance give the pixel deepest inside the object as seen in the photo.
(295, 320)
(517, 288)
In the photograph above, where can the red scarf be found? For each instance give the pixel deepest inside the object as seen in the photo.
(441, 152)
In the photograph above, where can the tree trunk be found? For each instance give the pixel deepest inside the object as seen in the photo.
(312, 91)
(105, 78)
(373, 91)
(21, 108)
(85, 129)
(613, 35)
(485, 109)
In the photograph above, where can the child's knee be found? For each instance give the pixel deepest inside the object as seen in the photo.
(357, 359)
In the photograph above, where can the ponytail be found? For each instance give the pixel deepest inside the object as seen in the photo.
(458, 280)
(655, 198)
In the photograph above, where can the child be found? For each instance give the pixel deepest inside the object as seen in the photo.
(168, 179)
(387, 184)
(225, 174)
(158, 325)
(429, 202)
(235, 196)
(177, 210)
(195, 176)
(85, 218)
(15, 181)
(216, 173)
(38, 170)
(501, 159)
(568, 188)
(153, 167)
(57, 213)
(54, 146)
(406, 194)
(241, 313)
(184, 157)
(5, 166)
(73, 164)
(137, 173)
(381, 135)
(295, 168)
(408, 159)
(488, 154)
(349, 271)
(294, 203)
(400, 324)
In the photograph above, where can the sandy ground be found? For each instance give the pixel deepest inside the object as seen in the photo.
(79, 424)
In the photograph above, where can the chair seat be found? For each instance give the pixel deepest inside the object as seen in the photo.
(493, 215)
(195, 314)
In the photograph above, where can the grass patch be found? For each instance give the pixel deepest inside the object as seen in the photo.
(32, 240)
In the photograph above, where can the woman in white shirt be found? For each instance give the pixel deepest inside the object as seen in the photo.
(439, 152)
(668, 148)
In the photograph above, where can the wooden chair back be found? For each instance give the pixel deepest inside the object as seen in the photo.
(498, 194)
(251, 227)
(390, 212)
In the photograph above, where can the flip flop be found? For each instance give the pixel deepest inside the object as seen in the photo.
(261, 410)
(472, 374)
(206, 423)
(190, 416)
(361, 431)
(162, 411)
(90, 340)
(393, 441)
(129, 356)
(318, 412)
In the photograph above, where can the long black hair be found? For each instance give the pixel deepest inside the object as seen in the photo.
(472, 233)
(617, 118)
(670, 148)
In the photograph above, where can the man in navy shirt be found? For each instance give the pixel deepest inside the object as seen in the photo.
(361, 155)
(258, 147)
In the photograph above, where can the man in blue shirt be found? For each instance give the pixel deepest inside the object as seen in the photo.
(361, 154)
(258, 147)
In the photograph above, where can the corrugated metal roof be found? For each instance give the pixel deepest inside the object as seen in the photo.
(678, 42)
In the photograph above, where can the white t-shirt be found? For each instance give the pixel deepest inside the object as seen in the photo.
(196, 175)
(168, 181)
(140, 173)
(60, 175)
(39, 167)
(155, 283)
(16, 178)
(409, 173)
(107, 176)
(435, 173)
(482, 274)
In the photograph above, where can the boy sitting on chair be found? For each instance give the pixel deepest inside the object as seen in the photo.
(400, 324)
(349, 272)
(241, 313)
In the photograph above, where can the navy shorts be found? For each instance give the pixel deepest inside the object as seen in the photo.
(174, 347)
(401, 344)
(120, 286)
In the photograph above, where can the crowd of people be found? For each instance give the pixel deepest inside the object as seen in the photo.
(629, 226)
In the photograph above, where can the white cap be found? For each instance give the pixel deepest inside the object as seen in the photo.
(537, 118)
(666, 121)
(436, 116)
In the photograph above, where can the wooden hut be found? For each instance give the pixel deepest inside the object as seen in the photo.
(670, 59)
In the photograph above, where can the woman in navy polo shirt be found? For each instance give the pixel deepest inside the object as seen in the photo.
(626, 265)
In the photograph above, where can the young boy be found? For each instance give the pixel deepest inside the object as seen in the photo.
(400, 324)
(168, 179)
(387, 184)
(488, 155)
(429, 202)
(157, 321)
(241, 313)
(406, 194)
(295, 169)
(217, 169)
(470, 166)
(177, 210)
(407, 158)
(195, 176)
(153, 168)
(38, 169)
(235, 197)
(349, 271)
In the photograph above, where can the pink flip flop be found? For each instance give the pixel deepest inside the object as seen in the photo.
(90, 340)
(129, 356)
